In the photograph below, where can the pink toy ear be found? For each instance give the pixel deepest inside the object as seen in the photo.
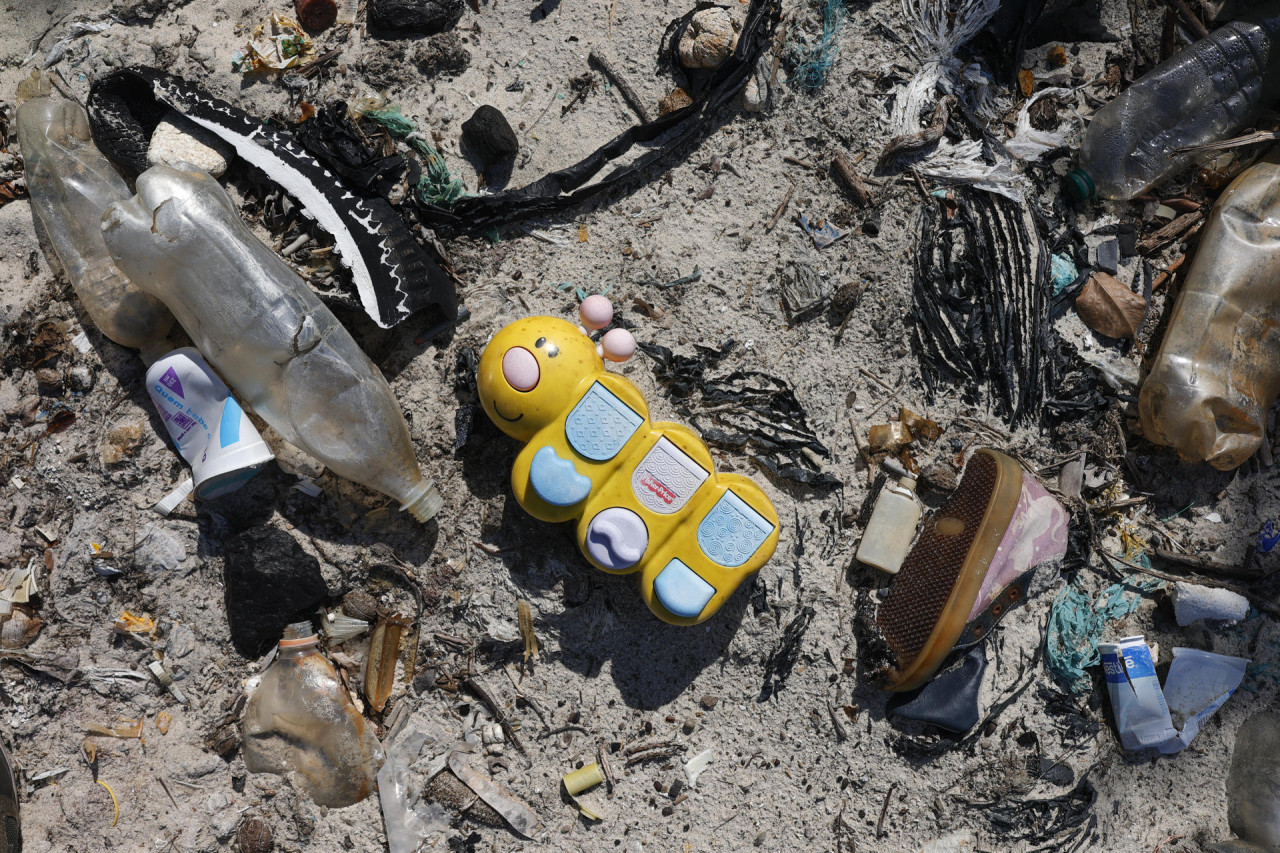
(596, 312)
(618, 345)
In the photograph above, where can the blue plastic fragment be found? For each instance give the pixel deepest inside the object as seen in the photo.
(1268, 537)
(1063, 270)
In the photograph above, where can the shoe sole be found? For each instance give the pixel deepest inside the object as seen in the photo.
(929, 603)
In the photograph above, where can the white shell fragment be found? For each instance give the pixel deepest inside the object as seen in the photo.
(179, 140)
(1192, 603)
(694, 766)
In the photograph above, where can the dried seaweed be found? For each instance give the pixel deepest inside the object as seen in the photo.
(982, 292)
(745, 410)
(1043, 821)
(785, 656)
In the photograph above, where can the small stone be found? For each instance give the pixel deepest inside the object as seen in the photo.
(426, 17)
(847, 297)
(81, 378)
(269, 582)
(49, 378)
(1127, 237)
(179, 140)
(489, 135)
(1057, 56)
(708, 702)
(676, 99)
(359, 604)
(689, 725)
(1109, 256)
(940, 477)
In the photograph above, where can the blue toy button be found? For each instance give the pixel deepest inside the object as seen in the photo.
(600, 424)
(556, 480)
(732, 531)
(617, 538)
(681, 590)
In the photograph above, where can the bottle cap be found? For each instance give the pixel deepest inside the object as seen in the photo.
(1079, 185)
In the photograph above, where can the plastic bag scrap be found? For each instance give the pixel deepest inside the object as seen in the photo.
(749, 409)
(983, 277)
(393, 275)
(1198, 684)
(660, 138)
(1076, 624)
(1031, 144)
(274, 45)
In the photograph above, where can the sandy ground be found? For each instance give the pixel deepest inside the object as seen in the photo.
(782, 776)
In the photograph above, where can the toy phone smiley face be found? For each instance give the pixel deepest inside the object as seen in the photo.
(646, 496)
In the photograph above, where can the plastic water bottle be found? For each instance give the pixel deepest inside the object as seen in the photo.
(300, 719)
(71, 184)
(272, 339)
(1205, 93)
(1217, 373)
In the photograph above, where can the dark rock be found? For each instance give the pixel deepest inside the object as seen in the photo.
(403, 17)
(489, 135)
(270, 581)
(1127, 236)
(1109, 256)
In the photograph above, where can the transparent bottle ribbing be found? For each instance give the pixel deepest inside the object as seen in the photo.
(300, 719)
(71, 183)
(1218, 369)
(1205, 93)
(272, 339)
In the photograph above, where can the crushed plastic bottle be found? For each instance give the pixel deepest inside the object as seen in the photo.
(71, 184)
(300, 719)
(1218, 369)
(1205, 93)
(266, 332)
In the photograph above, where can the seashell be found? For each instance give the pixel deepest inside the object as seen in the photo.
(19, 630)
(254, 836)
(359, 604)
(709, 39)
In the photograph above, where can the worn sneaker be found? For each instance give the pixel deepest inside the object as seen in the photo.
(10, 828)
(972, 562)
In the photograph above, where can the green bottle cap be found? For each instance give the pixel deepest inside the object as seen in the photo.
(1080, 186)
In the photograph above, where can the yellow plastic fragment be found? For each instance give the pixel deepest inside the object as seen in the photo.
(114, 801)
(130, 624)
(581, 780)
(163, 719)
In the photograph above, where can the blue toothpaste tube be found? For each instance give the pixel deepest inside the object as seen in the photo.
(1142, 715)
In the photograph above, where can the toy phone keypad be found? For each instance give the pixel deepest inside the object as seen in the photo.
(646, 496)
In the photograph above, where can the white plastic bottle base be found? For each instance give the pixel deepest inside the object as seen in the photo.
(210, 429)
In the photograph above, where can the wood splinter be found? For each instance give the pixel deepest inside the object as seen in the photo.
(851, 180)
(615, 76)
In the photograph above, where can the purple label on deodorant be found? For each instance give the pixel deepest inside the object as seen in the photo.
(170, 381)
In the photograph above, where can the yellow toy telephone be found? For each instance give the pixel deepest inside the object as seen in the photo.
(646, 496)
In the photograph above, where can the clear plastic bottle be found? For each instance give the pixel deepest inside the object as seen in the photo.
(892, 526)
(1218, 369)
(1204, 93)
(301, 720)
(266, 332)
(71, 184)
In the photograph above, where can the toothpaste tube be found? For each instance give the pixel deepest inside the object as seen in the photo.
(1142, 715)
(206, 423)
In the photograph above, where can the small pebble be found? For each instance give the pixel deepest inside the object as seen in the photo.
(689, 725)
(709, 701)
(490, 136)
(81, 378)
